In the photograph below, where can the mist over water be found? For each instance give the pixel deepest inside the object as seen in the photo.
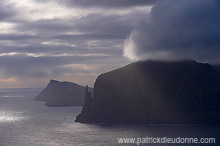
(24, 122)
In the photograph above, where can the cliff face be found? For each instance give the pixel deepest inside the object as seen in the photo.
(156, 92)
(87, 108)
(62, 94)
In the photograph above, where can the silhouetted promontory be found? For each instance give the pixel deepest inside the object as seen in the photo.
(62, 94)
(155, 92)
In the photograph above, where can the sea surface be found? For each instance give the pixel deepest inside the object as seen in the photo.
(24, 122)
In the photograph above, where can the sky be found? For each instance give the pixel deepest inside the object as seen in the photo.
(68, 40)
(76, 40)
(177, 30)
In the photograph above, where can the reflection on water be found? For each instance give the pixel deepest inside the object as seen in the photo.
(19, 92)
(7, 116)
(24, 122)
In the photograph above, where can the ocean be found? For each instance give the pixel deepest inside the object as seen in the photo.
(24, 122)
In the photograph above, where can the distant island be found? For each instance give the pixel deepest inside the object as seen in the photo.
(62, 94)
(155, 92)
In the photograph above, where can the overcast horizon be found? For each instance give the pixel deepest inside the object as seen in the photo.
(68, 41)
(75, 41)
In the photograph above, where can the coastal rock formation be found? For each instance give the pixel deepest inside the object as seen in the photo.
(62, 94)
(86, 116)
(155, 92)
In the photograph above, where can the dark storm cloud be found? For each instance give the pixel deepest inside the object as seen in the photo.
(90, 36)
(111, 24)
(16, 37)
(45, 26)
(39, 67)
(84, 31)
(95, 23)
(109, 3)
(104, 3)
(49, 47)
(176, 30)
(6, 10)
(106, 31)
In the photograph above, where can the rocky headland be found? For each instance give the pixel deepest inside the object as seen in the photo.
(62, 94)
(157, 92)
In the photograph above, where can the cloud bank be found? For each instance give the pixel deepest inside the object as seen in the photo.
(72, 40)
(183, 29)
(104, 3)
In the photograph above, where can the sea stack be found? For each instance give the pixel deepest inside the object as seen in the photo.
(87, 108)
(155, 92)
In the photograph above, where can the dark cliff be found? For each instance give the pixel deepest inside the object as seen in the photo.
(62, 94)
(86, 110)
(156, 92)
